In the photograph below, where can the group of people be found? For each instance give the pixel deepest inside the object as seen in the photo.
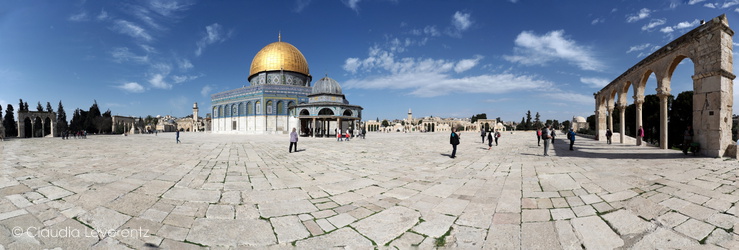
(339, 137)
(547, 134)
(82, 134)
(492, 135)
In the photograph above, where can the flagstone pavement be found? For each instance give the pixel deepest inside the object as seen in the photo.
(388, 191)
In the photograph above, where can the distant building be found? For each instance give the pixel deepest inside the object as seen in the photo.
(579, 122)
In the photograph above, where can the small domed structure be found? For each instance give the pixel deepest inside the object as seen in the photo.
(579, 119)
(326, 86)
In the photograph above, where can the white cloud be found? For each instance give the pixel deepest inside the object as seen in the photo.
(214, 34)
(103, 15)
(353, 4)
(131, 29)
(638, 47)
(692, 2)
(185, 64)
(132, 87)
(122, 54)
(300, 5)
(206, 90)
(729, 4)
(532, 49)
(79, 17)
(169, 8)
(461, 21)
(680, 26)
(709, 5)
(428, 30)
(466, 64)
(571, 97)
(654, 23)
(598, 20)
(643, 13)
(595, 82)
(428, 77)
(184, 78)
(157, 81)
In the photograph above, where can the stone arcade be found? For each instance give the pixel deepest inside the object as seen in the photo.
(36, 124)
(709, 46)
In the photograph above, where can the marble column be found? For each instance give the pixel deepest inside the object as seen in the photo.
(610, 117)
(638, 102)
(663, 95)
(622, 124)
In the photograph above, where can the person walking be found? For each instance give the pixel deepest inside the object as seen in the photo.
(609, 134)
(553, 134)
(177, 134)
(687, 138)
(293, 141)
(454, 140)
(571, 136)
(538, 137)
(482, 134)
(497, 135)
(640, 133)
(546, 135)
(490, 140)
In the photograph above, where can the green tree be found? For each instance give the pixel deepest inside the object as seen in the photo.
(25, 106)
(479, 117)
(20, 105)
(39, 108)
(385, 123)
(93, 118)
(528, 123)
(566, 125)
(537, 121)
(48, 107)
(555, 124)
(61, 119)
(681, 116)
(9, 122)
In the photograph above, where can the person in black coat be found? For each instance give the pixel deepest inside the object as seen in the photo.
(490, 140)
(454, 140)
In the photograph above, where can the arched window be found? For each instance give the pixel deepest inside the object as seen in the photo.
(234, 110)
(326, 111)
(220, 111)
(280, 108)
(347, 112)
(215, 111)
(304, 112)
(249, 108)
(269, 107)
(241, 108)
(258, 108)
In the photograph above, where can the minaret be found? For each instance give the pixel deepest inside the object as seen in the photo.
(410, 115)
(195, 112)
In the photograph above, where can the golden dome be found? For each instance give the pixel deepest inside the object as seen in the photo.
(279, 56)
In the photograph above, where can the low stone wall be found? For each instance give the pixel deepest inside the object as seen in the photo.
(731, 152)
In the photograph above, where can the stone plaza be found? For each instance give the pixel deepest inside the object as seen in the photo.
(390, 190)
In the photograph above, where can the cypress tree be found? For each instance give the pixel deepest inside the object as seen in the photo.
(61, 119)
(48, 107)
(9, 122)
(39, 108)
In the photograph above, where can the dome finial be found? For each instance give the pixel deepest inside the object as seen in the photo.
(279, 36)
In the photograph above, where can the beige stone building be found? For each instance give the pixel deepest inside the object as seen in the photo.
(710, 47)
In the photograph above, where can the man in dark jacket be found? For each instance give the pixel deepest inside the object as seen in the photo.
(454, 140)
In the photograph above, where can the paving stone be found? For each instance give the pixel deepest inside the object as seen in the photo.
(530, 215)
(595, 233)
(434, 224)
(467, 237)
(723, 220)
(407, 241)
(582, 211)
(325, 225)
(503, 236)
(188, 194)
(626, 222)
(506, 218)
(619, 196)
(219, 232)
(313, 227)
(54, 192)
(289, 229)
(341, 220)
(567, 238)
(104, 219)
(220, 212)
(395, 221)
(695, 229)
(539, 235)
(590, 199)
(664, 239)
(560, 203)
(562, 213)
(342, 238)
(281, 208)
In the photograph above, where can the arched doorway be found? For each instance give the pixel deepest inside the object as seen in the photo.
(28, 128)
(47, 126)
(37, 127)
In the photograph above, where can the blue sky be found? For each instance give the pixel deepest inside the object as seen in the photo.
(440, 58)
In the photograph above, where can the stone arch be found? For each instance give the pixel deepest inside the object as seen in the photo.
(708, 46)
(258, 108)
(269, 107)
(28, 128)
(220, 111)
(326, 111)
(304, 112)
(215, 111)
(281, 108)
(347, 112)
(47, 126)
(241, 109)
(249, 108)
